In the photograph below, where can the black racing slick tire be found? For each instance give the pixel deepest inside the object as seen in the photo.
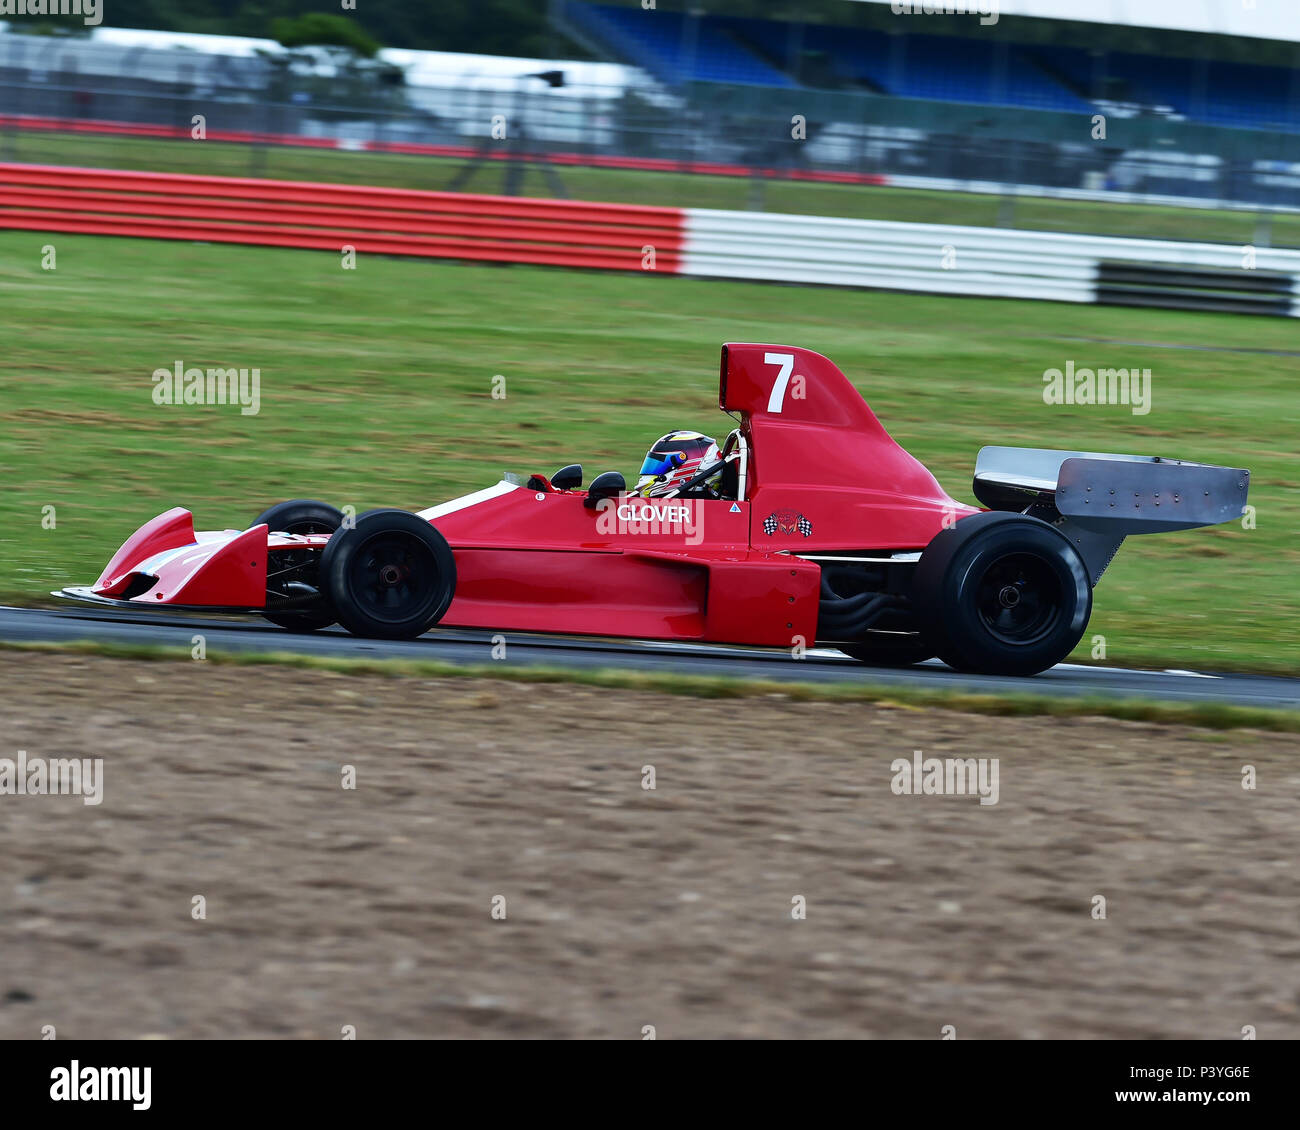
(1002, 594)
(391, 576)
(299, 516)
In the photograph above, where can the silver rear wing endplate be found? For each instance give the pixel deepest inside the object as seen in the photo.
(1097, 499)
(1108, 493)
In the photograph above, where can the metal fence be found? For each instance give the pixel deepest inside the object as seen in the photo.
(47, 86)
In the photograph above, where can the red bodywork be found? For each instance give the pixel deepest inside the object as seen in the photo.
(822, 476)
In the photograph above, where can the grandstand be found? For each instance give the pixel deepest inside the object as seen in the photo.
(999, 66)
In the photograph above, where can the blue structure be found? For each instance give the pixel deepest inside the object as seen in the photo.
(979, 70)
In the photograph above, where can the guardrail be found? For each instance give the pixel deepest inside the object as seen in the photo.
(384, 221)
(990, 262)
(1195, 288)
(926, 258)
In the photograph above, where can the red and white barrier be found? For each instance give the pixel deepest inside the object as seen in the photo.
(926, 258)
(947, 259)
(382, 221)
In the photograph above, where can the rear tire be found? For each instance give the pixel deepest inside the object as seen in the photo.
(391, 576)
(299, 516)
(1002, 594)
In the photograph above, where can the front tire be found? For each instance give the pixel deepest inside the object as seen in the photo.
(392, 576)
(1002, 594)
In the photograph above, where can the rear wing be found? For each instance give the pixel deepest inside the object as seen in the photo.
(1112, 494)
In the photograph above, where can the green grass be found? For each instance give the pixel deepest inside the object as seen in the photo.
(377, 390)
(1205, 715)
(637, 187)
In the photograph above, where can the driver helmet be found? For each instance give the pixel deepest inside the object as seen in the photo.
(673, 460)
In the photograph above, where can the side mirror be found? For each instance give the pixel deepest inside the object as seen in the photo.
(568, 478)
(609, 485)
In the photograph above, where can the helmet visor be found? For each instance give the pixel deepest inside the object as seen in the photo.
(661, 462)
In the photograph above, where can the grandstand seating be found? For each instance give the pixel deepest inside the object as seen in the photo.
(657, 41)
(1250, 96)
(1231, 94)
(978, 70)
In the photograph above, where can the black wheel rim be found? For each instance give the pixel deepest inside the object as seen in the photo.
(393, 577)
(1019, 598)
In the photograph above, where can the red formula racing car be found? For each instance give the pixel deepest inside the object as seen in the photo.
(810, 525)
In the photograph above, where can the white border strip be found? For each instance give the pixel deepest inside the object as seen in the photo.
(938, 258)
(467, 500)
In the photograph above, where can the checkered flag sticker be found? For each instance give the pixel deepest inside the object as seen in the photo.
(787, 522)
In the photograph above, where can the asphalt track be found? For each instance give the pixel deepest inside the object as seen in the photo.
(251, 634)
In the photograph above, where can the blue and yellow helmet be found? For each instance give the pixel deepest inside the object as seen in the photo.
(673, 459)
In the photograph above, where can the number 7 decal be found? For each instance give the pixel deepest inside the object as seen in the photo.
(776, 402)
